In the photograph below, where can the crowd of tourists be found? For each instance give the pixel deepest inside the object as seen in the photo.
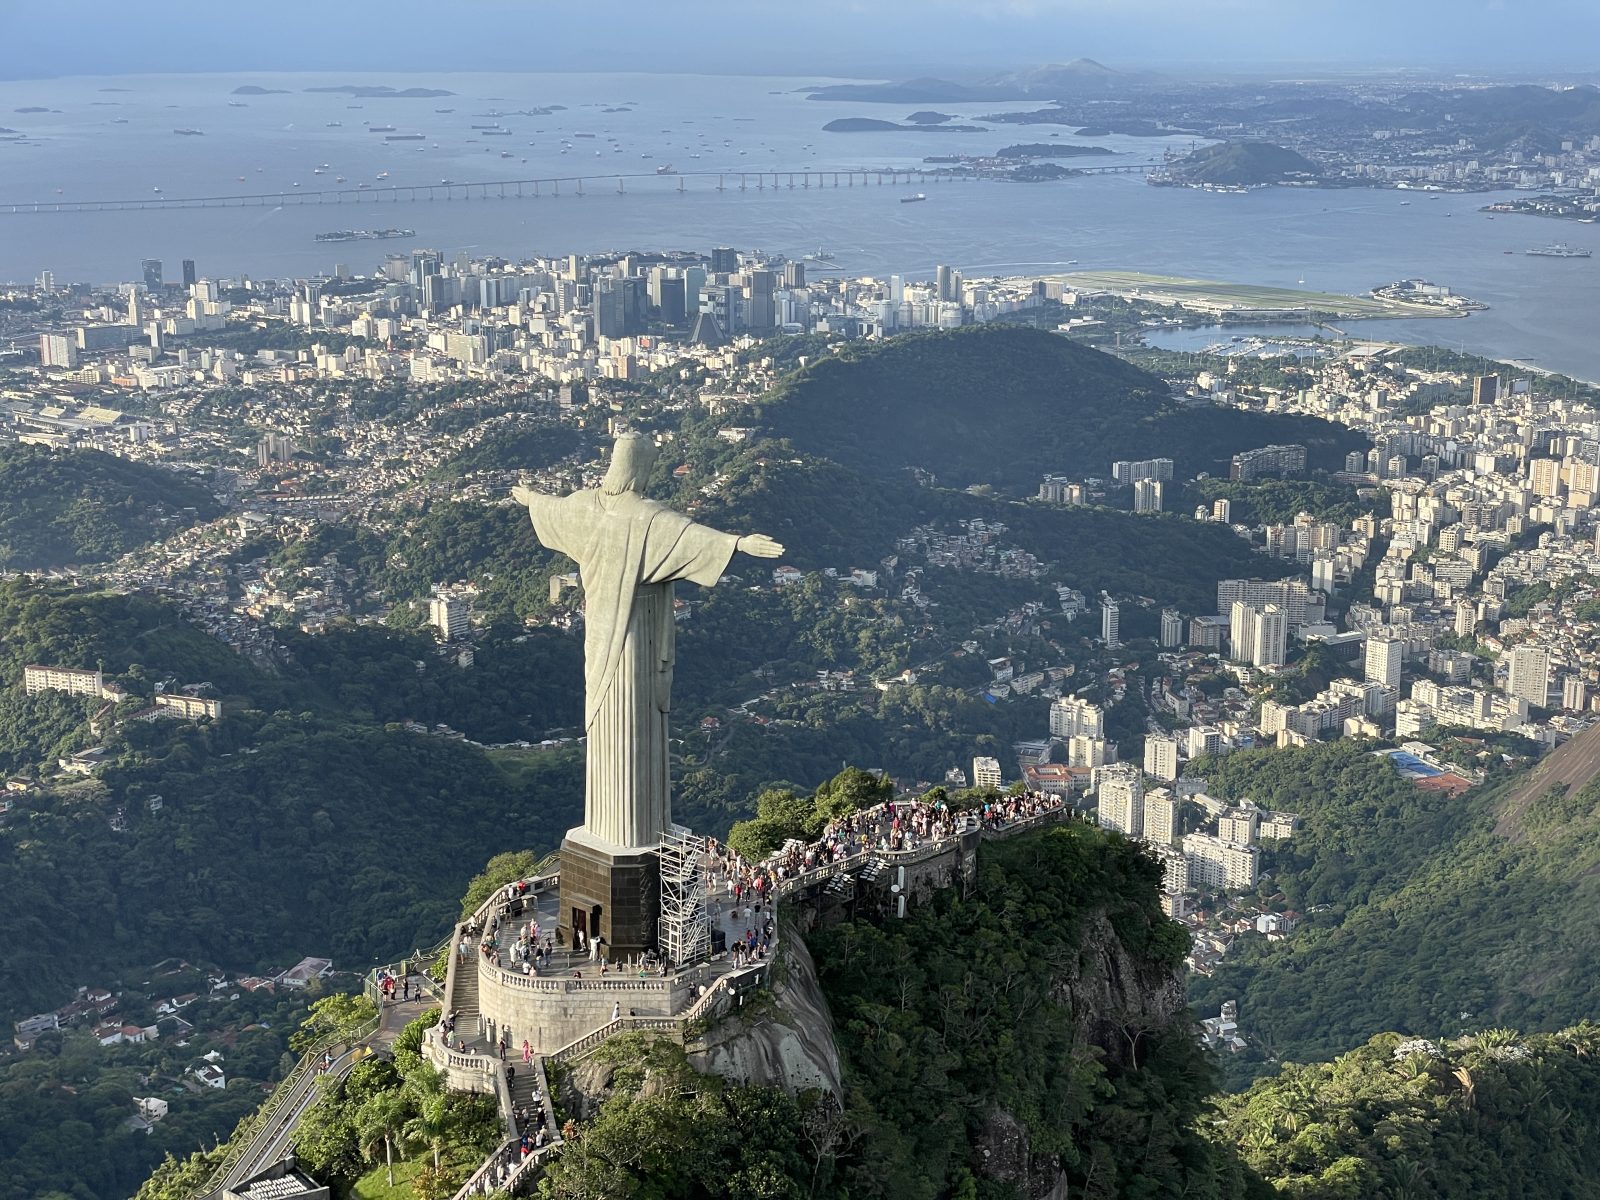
(890, 827)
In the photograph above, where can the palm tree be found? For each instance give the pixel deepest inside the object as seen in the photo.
(432, 1125)
(379, 1121)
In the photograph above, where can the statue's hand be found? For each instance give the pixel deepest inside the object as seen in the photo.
(523, 495)
(761, 546)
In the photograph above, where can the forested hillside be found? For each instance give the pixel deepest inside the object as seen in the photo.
(80, 506)
(1421, 917)
(1022, 1040)
(1004, 405)
(1492, 1115)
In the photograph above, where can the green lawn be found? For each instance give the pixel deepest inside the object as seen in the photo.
(374, 1185)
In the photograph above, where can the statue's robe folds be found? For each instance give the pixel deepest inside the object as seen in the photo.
(629, 551)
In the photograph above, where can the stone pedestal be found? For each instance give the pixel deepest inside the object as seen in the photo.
(613, 892)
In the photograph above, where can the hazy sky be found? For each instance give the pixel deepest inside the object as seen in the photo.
(891, 37)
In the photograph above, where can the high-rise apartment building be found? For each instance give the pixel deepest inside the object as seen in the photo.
(1161, 756)
(1160, 817)
(189, 276)
(1485, 389)
(1147, 496)
(1110, 624)
(724, 260)
(1529, 678)
(151, 269)
(1302, 605)
(1171, 628)
(1072, 717)
(1216, 865)
(1383, 660)
(57, 350)
(450, 616)
(1119, 789)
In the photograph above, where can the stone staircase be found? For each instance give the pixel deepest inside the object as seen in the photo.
(463, 998)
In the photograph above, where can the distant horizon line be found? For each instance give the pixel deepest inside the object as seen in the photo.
(1209, 69)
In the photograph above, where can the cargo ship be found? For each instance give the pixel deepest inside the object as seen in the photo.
(1559, 250)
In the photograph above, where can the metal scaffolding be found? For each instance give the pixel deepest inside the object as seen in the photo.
(685, 931)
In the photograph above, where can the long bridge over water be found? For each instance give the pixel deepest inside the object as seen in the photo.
(553, 185)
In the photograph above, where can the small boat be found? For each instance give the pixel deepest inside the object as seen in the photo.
(1403, 203)
(912, 199)
(155, 189)
(383, 174)
(338, 178)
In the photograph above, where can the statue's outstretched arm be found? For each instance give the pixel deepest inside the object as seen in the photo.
(760, 546)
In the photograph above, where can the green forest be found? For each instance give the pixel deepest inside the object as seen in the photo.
(996, 1044)
(59, 507)
(1426, 915)
(960, 404)
(1279, 501)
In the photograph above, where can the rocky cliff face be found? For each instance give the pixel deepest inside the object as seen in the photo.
(1117, 1002)
(782, 1039)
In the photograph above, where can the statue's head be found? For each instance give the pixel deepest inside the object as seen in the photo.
(632, 459)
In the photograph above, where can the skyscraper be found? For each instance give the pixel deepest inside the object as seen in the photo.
(188, 273)
(941, 282)
(1110, 624)
(760, 289)
(152, 274)
(724, 260)
(1485, 388)
(1147, 496)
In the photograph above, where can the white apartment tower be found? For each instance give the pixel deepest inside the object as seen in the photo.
(1383, 661)
(450, 616)
(1160, 817)
(1529, 678)
(986, 775)
(1110, 624)
(1161, 757)
(1171, 628)
(1072, 717)
(1120, 791)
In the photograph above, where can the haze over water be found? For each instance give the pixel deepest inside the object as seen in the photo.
(1345, 241)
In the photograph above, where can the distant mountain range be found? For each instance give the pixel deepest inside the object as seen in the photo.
(1080, 76)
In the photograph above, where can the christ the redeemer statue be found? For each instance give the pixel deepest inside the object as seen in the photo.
(629, 550)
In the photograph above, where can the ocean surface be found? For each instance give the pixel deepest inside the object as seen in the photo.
(114, 138)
